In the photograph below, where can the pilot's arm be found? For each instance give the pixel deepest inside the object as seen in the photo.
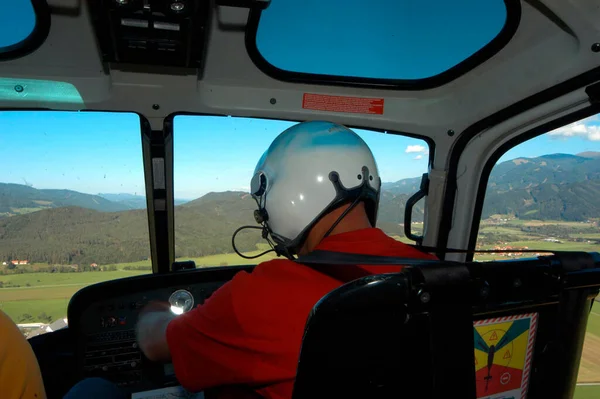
(223, 342)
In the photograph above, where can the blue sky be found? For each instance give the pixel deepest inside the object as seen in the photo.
(221, 153)
(96, 152)
(574, 138)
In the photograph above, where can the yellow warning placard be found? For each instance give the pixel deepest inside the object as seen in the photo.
(503, 355)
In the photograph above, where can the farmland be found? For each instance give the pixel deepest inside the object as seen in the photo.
(42, 296)
(27, 296)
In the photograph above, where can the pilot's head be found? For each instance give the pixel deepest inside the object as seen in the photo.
(314, 175)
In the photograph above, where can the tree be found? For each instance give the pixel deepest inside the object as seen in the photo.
(26, 317)
(44, 317)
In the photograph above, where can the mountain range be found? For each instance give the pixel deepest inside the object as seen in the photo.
(550, 187)
(132, 201)
(66, 227)
(16, 199)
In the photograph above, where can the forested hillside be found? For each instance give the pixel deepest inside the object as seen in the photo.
(67, 227)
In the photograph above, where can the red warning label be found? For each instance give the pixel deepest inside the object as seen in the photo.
(355, 105)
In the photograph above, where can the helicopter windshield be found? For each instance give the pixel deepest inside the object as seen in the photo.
(214, 158)
(72, 208)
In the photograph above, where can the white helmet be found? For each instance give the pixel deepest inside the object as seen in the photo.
(309, 170)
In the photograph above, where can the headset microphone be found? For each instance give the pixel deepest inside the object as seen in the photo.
(261, 216)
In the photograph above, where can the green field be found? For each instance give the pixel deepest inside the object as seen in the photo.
(53, 308)
(587, 392)
(43, 296)
(35, 293)
(513, 233)
(47, 294)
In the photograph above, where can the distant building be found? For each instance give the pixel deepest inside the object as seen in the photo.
(552, 239)
(19, 262)
(31, 325)
(58, 325)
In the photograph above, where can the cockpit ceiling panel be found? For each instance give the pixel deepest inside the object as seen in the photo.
(553, 43)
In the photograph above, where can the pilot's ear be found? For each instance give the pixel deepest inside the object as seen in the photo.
(258, 184)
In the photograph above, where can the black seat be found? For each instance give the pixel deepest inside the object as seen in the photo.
(412, 334)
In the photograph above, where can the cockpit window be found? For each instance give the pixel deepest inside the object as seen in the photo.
(72, 208)
(214, 159)
(22, 25)
(17, 21)
(543, 195)
(391, 40)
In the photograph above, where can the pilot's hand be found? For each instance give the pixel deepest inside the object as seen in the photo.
(155, 306)
(151, 330)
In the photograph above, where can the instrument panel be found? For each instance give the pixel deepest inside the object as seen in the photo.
(104, 317)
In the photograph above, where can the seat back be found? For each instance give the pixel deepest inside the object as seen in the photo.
(451, 330)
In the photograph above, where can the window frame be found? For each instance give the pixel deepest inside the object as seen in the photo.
(168, 131)
(145, 146)
(513, 19)
(588, 80)
(492, 160)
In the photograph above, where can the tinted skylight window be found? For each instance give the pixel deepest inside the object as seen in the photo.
(384, 39)
(17, 20)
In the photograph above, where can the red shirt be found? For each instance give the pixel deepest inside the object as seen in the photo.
(249, 332)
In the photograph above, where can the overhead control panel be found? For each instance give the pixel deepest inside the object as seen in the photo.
(171, 33)
(164, 33)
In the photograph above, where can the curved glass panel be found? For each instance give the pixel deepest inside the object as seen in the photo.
(35, 90)
(72, 209)
(387, 39)
(543, 195)
(214, 159)
(17, 21)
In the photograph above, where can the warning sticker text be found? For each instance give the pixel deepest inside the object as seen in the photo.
(355, 105)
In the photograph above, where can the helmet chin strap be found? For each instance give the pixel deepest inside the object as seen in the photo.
(342, 216)
(282, 250)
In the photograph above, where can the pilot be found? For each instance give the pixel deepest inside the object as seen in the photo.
(317, 187)
(20, 376)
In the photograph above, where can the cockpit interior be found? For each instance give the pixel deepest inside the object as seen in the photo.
(130, 130)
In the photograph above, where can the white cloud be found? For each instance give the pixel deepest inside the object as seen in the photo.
(416, 148)
(418, 157)
(583, 129)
